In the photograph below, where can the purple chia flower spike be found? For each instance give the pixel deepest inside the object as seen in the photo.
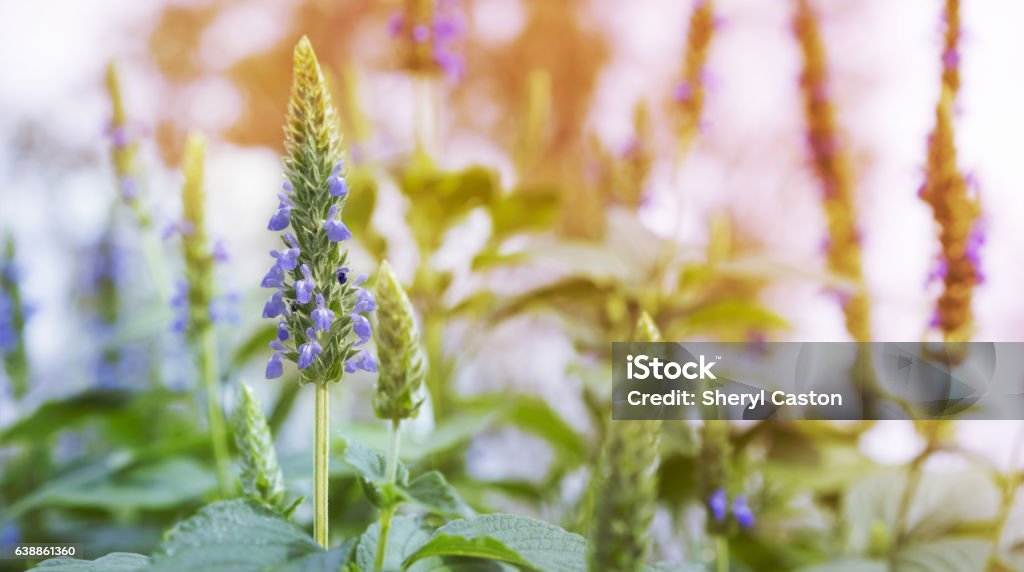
(304, 287)
(309, 351)
(362, 360)
(336, 230)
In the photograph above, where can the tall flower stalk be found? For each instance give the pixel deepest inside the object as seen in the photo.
(321, 324)
(124, 147)
(195, 299)
(955, 208)
(832, 167)
(403, 370)
(13, 316)
(628, 485)
(689, 92)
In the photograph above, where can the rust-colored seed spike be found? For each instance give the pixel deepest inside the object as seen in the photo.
(832, 167)
(698, 41)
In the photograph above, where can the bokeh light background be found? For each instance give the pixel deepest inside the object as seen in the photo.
(221, 67)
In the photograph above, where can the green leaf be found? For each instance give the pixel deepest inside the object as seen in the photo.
(114, 562)
(406, 536)
(54, 416)
(849, 565)
(229, 536)
(951, 555)
(432, 492)
(523, 210)
(369, 463)
(255, 344)
(673, 567)
(518, 540)
(330, 561)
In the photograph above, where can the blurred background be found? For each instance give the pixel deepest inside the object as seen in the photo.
(536, 184)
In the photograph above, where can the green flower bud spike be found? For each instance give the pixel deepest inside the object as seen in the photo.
(401, 375)
(628, 483)
(13, 316)
(402, 364)
(261, 475)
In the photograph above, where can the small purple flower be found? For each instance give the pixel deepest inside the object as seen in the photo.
(220, 251)
(337, 185)
(304, 287)
(341, 275)
(447, 27)
(361, 326)
(275, 368)
(420, 34)
(719, 504)
(336, 230)
(275, 306)
(282, 331)
(741, 510)
(950, 59)
(362, 360)
(287, 187)
(322, 317)
(274, 278)
(179, 305)
(363, 277)
(451, 64)
(364, 301)
(309, 351)
(395, 24)
(282, 216)
(129, 189)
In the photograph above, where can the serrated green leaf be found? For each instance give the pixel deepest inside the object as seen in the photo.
(369, 463)
(518, 540)
(232, 536)
(114, 562)
(432, 492)
(330, 561)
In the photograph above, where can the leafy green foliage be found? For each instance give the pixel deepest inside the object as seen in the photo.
(114, 562)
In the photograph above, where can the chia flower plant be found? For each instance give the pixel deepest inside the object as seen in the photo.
(831, 164)
(124, 147)
(321, 323)
(13, 315)
(956, 209)
(627, 482)
(195, 298)
(689, 92)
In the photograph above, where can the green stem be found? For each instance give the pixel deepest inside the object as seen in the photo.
(321, 447)
(390, 473)
(722, 554)
(215, 417)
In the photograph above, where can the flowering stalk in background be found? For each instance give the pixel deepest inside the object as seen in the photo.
(195, 299)
(13, 315)
(322, 323)
(955, 208)
(402, 373)
(832, 167)
(262, 478)
(104, 289)
(124, 146)
(689, 92)
(428, 32)
(627, 482)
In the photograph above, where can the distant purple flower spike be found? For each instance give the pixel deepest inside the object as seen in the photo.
(362, 360)
(364, 301)
(309, 351)
(741, 510)
(336, 230)
(337, 185)
(274, 278)
(224, 310)
(322, 317)
(682, 92)
(304, 287)
(281, 218)
(718, 503)
(282, 331)
(950, 58)
(275, 368)
(275, 306)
